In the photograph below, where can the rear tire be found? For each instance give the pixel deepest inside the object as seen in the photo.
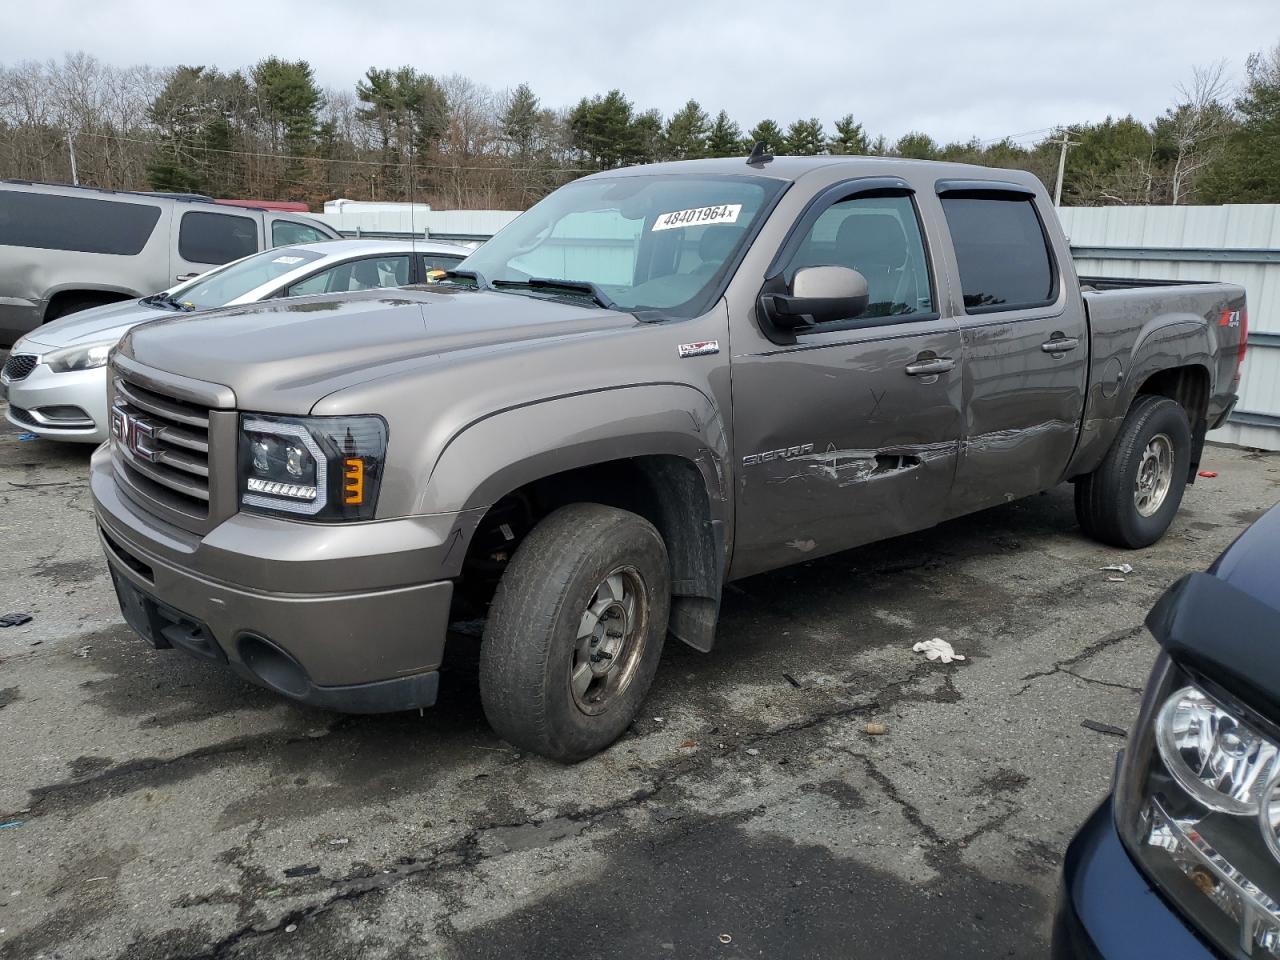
(575, 631)
(1131, 499)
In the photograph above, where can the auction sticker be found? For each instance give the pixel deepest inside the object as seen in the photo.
(721, 213)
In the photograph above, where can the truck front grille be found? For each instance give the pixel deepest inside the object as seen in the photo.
(162, 443)
(19, 366)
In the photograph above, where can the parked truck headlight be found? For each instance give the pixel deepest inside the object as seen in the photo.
(1213, 755)
(315, 468)
(1190, 797)
(79, 358)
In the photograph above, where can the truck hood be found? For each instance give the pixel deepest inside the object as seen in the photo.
(104, 324)
(283, 356)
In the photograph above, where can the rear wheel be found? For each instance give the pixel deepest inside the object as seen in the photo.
(1131, 499)
(575, 631)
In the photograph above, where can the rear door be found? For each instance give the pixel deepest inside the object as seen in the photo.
(1026, 346)
(848, 433)
(203, 240)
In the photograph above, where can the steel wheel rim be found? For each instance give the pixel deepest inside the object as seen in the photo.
(1155, 475)
(610, 641)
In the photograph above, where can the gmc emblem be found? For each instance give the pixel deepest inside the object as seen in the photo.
(136, 434)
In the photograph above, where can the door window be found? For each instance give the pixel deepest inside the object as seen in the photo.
(879, 236)
(437, 261)
(288, 232)
(368, 274)
(216, 237)
(1002, 252)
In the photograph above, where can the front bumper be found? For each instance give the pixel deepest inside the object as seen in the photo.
(350, 617)
(60, 406)
(1108, 909)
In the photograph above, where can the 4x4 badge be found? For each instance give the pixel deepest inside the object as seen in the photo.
(699, 348)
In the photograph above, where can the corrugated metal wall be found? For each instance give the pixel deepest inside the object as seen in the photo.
(1239, 243)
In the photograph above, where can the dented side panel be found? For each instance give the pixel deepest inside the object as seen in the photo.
(1022, 405)
(835, 445)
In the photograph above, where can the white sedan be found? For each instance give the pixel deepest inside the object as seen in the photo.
(54, 378)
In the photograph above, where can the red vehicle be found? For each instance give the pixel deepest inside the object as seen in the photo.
(282, 206)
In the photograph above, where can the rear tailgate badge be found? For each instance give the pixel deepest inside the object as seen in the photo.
(699, 348)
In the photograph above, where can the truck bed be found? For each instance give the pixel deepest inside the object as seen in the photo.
(1135, 327)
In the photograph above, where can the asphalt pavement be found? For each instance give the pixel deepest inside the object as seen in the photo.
(155, 806)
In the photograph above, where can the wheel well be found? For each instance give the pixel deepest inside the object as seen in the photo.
(1189, 386)
(63, 299)
(668, 491)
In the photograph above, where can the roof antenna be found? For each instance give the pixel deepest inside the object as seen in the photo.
(758, 156)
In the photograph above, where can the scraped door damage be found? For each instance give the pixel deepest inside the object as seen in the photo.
(1023, 403)
(841, 446)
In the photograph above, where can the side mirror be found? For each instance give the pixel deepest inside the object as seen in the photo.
(819, 295)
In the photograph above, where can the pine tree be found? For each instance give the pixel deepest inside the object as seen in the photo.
(850, 138)
(805, 138)
(725, 138)
(686, 132)
(768, 133)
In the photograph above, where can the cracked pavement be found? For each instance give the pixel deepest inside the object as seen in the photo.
(164, 804)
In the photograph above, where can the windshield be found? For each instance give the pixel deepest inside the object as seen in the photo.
(219, 287)
(645, 243)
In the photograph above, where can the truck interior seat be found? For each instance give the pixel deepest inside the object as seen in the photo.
(874, 245)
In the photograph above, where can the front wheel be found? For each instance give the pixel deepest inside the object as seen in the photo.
(1131, 499)
(575, 631)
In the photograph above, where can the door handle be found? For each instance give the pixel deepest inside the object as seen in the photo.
(1059, 344)
(186, 276)
(928, 368)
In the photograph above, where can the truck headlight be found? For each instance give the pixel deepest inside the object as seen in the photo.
(316, 468)
(1212, 754)
(79, 358)
(1193, 805)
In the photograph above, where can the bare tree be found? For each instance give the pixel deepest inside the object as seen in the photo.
(1197, 126)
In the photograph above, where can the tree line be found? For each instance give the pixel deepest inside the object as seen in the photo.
(271, 132)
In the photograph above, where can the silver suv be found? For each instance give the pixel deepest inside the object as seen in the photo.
(64, 249)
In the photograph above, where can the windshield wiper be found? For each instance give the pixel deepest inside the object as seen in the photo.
(480, 282)
(591, 289)
(163, 298)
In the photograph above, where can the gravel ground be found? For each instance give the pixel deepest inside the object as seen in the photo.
(164, 804)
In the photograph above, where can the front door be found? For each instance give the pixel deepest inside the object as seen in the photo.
(1026, 347)
(849, 434)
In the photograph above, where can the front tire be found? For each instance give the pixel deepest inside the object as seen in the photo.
(575, 631)
(1131, 499)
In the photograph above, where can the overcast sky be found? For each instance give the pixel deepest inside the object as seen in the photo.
(955, 69)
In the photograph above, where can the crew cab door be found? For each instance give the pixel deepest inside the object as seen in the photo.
(202, 241)
(1026, 345)
(846, 432)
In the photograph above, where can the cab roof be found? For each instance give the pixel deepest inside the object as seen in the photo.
(792, 169)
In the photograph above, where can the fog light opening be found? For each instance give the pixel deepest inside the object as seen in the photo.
(275, 668)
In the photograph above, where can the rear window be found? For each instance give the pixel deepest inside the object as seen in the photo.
(288, 232)
(53, 222)
(216, 237)
(1002, 252)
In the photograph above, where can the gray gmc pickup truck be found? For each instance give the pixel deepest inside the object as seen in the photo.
(655, 381)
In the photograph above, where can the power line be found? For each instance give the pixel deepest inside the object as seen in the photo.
(308, 159)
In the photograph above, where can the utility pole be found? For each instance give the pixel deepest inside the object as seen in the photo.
(71, 149)
(1062, 163)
